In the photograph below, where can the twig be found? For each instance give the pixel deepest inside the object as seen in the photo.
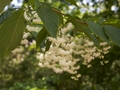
(64, 15)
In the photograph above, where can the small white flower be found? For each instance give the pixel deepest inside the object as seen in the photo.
(25, 35)
(20, 49)
(78, 75)
(68, 28)
(37, 21)
(103, 43)
(30, 28)
(60, 40)
(26, 16)
(58, 70)
(24, 41)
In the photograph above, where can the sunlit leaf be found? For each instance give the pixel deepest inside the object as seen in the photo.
(113, 33)
(48, 17)
(115, 22)
(11, 32)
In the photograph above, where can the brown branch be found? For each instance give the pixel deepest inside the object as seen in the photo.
(58, 11)
(81, 22)
(64, 15)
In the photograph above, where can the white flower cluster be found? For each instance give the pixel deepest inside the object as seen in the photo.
(31, 28)
(66, 52)
(19, 49)
(88, 51)
(32, 16)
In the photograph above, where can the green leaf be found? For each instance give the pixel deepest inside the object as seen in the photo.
(48, 17)
(48, 43)
(11, 32)
(91, 36)
(115, 22)
(31, 2)
(113, 33)
(60, 15)
(3, 3)
(98, 30)
(40, 37)
(84, 29)
(72, 2)
(5, 15)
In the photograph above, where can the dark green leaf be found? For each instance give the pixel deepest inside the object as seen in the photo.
(60, 16)
(72, 2)
(3, 3)
(5, 15)
(48, 17)
(48, 43)
(84, 29)
(34, 33)
(91, 36)
(113, 33)
(40, 37)
(97, 29)
(11, 32)
(43, 43)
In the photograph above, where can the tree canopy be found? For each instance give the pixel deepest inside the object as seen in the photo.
(75, 38)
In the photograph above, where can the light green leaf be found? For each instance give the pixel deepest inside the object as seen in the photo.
(31, 2)
(40, 37)
(98, 30)
(115, 22)
(111, 21)
(72, 2)
(48, 17)
(3, 3)
(11, 32)
(113, 33)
